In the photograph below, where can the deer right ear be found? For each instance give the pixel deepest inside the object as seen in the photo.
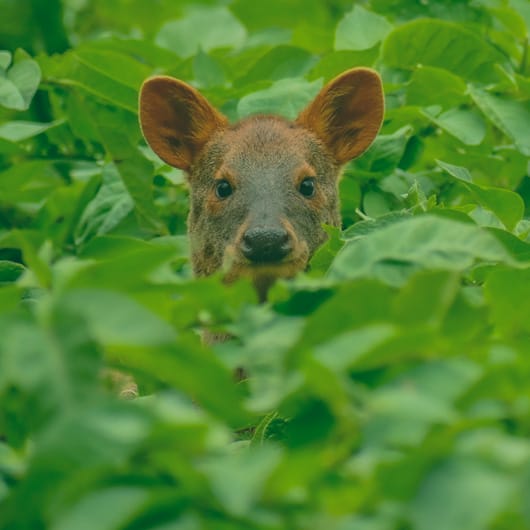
(347, 113)
(176, 120)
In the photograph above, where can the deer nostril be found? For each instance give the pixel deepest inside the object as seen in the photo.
(266, 245)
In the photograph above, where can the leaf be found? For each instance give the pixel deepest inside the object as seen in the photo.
(279, 63)
(107, 508)
(31, 244)
(29, 181)
(344, 351)
(507, 205)
(19, 86)
(511, 117)
(17, 131)
(10, 271)
(465, 125)
(360, 30)
(394, 252)
(462, 483)
(5, 59)
(64, 364)
(247, 471)
(208, 72)
(206, 28)
(286, 97)
(386, 152)
(106, 210)
(133, 169)
(435, 86)
(441, 44)
(110, 76)
(508, 294)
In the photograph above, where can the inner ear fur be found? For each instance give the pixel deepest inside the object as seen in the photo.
(347, 113)
(176, 120)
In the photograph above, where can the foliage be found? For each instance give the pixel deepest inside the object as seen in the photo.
(388, 387)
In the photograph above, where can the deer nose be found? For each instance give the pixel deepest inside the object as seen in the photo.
(266, 245)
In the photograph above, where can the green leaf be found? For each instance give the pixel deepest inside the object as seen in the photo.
(435, 86)
(107, 209)
(206, 28)
(19, 86)
(462, 483)
(65, 363)
(465, 125)
(29, 181)
(441, 44)
(507, 205)
(108, 508)
(279, 63)
(247, 471)
(129, 323)
(110, 76)
(508, 293)
(286, 97)
(133, 170)
(360, 30)
(385, 153)
(17, 131)
(208, 72)
(511, 117)
(5, 59)
(344, 351)
(10, 271)
(394, 252)
(31, 245)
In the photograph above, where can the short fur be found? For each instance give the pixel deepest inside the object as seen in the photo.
(264, 159)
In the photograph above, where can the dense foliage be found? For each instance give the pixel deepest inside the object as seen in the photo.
(389, 387)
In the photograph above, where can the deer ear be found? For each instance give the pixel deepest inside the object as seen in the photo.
(176, 120)
(347, 113)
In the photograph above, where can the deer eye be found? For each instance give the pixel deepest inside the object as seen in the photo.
(223, 189)
(307, 187)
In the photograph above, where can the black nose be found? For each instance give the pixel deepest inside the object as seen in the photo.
(266, 245)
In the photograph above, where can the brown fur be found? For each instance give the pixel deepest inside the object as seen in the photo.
(264, 159)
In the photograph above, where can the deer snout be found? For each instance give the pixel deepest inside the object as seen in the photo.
(266, 244)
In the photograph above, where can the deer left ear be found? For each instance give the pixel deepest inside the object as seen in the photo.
(177, 121)
(347, 113)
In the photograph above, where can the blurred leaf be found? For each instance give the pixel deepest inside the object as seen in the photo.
(5, 59)
(461, 483)
(360, 30)
(107, 508)
(208, 72)
(206, 28)
(279, 63)
(507, 292)
(247, 471)
(287, 97)
(10, 271)
(18, 87)
(128, 323)
(16, 131)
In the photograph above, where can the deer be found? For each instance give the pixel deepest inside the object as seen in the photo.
(262, 188)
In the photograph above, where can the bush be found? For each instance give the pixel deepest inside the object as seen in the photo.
(388, 387)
